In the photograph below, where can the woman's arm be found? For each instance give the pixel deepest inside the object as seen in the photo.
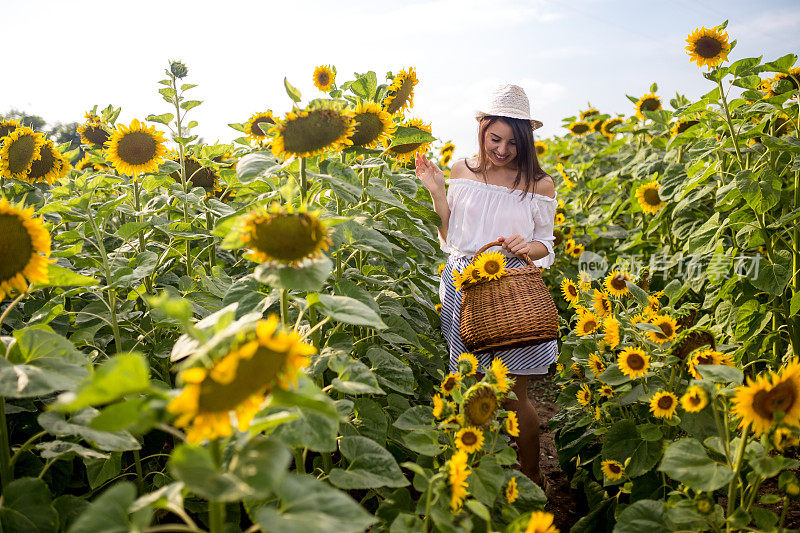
(432, 178)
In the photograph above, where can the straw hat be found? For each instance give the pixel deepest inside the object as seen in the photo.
(508, 101)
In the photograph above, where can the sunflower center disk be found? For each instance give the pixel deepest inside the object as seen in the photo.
(313, 132)
(651, 104)
(262, 125)
(401, 96)
(288, 237)
(97, 135)
(618, 283)
(20, 153)
(707, 47)
(781, 398)
(651, 197)
(665, 402)
(42, 166)
(635, 362)
(469, 439)
(137, 148)
(16, 247)
(368, 128)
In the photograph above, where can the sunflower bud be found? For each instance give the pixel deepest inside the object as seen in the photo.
(704, 504)
(178, 69)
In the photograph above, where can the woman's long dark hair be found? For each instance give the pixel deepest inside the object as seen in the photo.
(528, 168)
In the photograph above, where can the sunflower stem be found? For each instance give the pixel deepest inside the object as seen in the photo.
(112, 295)
(284, 306)
(137, 460)
(8, 309)
(6, 472)
(212, 250)
(737, 467)
(730, 123)
(299, 461)
(303, 180)
(148, 283)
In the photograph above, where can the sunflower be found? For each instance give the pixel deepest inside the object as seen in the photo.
(438, 308)
(470, 274)
(491, 265)
(284, 236)
(500, 376)
(541, 147)
(405, 152)
(541, 522)
(449, 383)
(790, 77)
(689, 341)
(682, 125)
(480, 404)
(648, 102)
(577, 250)
(467, 364)
(7, 126)
(611, 331)
(567, 182)
(708, 47)
(438, 406)
(615, 283)
(613, 470)
(458, 471)
(469, 439)
(25, 248)
(596, 364)
(584, 395)
(584, 280)
(20, 149)
(648, 197)
(239, 381)
(373, 125)
(458, 279)
(257, 126)
(135, 149)
(668, 327)
(784, 438)
(606, 391)
(569, 246)
(600, 303)
(609, 125)
(196, 174)
(587, 324)
(50, 166)
(579, 127)
(93, 132)
(633, 362)
(589, 112)
(708, 356)
(88, 163)
(781, 393)
(559, 219)
(312, 131)
(570, 290)
(694, 399)
(512, 424)
(663, 404)
(597, 125)
(448, 148)
(324, 77)
(400, 94)
(512, 492)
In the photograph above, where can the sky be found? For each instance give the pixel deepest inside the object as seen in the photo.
(63, 57)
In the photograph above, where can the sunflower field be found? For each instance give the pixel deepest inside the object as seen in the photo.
(245, 336)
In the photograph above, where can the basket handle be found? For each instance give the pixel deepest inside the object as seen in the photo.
(498, 243)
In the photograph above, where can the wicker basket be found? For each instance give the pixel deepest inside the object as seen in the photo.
(511, 312)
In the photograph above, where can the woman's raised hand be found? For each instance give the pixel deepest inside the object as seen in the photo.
(430, 175)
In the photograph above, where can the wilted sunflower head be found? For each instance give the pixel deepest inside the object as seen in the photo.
(400, 94)
(708, 47)
(579, 127)
(324, 77)
(468, 364)
(648, 102)
(178, 69)
(20, 149)
(405, 152)
(24, 247)
(50, 166)
(312, 131)
(373, 125)
(286, 236)
(93, 132)
(259, 124)
(88, 163)
(136, 149)
(480, 404)
(197, 174)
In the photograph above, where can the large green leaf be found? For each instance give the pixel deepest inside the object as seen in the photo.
(112, 441)
(310, 277)
(195, 467)
(371, 466)
(623, 441)
(486, 481)
(354, 377)
(62, 277)
(114, 378)
(255, 165)
(348, 310)
(391, 371)
(686, 461)
(109, 513)
(644, 515)
(27, 506)
(262, 464)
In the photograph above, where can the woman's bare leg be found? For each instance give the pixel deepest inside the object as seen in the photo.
(528, 440)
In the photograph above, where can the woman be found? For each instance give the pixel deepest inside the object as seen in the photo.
(502, 194)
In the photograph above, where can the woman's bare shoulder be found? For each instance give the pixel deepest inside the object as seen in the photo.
(460, 170)
(546, 186)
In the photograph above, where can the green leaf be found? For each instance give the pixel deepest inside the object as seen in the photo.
(423, 441)
(486, 481)
(349, 310)
(293, 93)
(62, 277)
(410, 135)
(255, 165)
(114, 378)
(189, 104)
(768, 467)
(643, 515)
(165, 119)
(371, 466)
(111, 441)
(307, 278)
(133, 414)
(99, 470)
(69, 508)
(365, 86)
(307, 504)
(773, 278)
(57, 448)
(195, 467)
(108, 513)
(26, 506)
(262, 464)
(354, 377)
(418, 417)
(686, 461)
(638, 293)
(623, 441)
(721, 373)
(391, 371)
(370, 420)
(794, 305)
(613, 375)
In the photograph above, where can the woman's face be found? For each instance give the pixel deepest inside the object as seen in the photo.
(499, 144)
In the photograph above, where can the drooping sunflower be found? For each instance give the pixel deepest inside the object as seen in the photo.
(584, 395)
(469, 439)
(7, 125)
(197, 174)
(373, 125)
(93, 132)
(438, 406)
(541, 522)
(324, 77)
(633, 362)
(690, 340)
(606, 391)
(50, 166)
(596, 364)
(20, 149)
(615, 283)
(87, 162)
(400, 94)
(613, 470)
(239, 381)
(597, 125)
(458, 471)
(24, 247)
(512, 424)
(512, 492)
(648, 197)
(448, 148)
(708, 47)
(467, 364)
(312, 131)
(491, 265)
(135, 149)
(285, 235)
(784, 438)
(480, 404)
(589, 112)
(541, 147)
(405, 152)
(609, 125)
(668, 327)
(458, 279)
(708, 356)
(449, 383)
(694, 399)
(682, 125)
(600, 303)
(579, 127)
(257, 126)
(570, 290)
(663, 404)
(499, 375)
(587, 324)
(648, 102)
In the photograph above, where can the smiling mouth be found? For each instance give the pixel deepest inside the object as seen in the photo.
(501, 158)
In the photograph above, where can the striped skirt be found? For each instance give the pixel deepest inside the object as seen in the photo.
(521, 361)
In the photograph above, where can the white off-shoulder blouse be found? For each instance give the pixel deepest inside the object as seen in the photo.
(480, 212)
